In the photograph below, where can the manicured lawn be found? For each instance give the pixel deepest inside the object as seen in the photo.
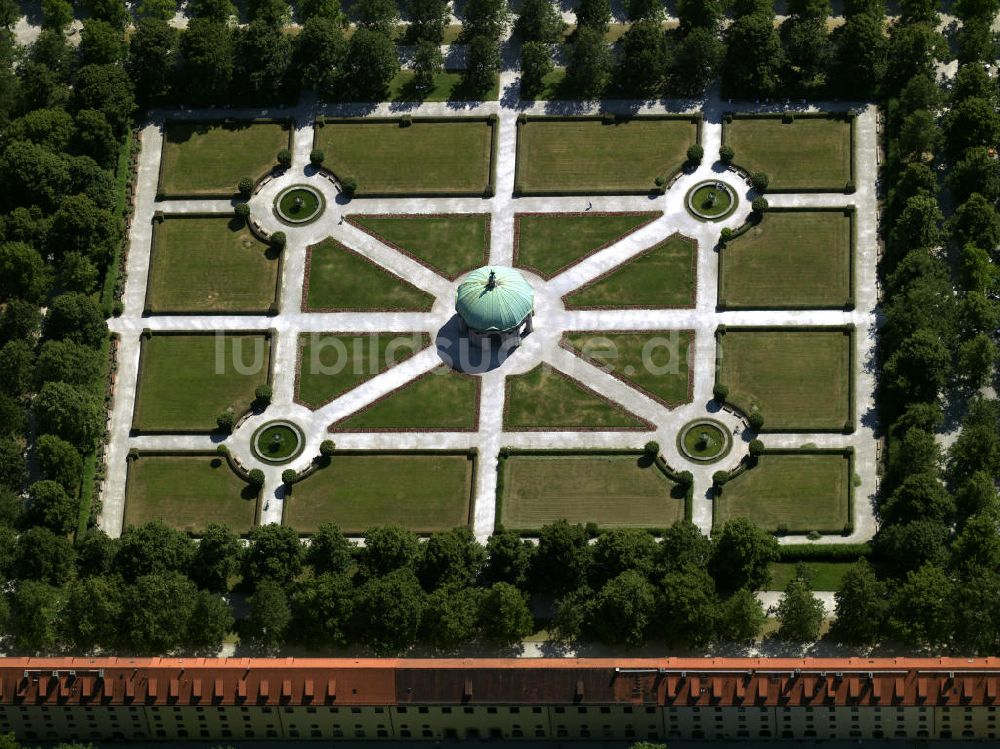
(825, 575)
(188, 492)
(586, 155)
(450, 244)
(547, 243)
(799, 379)
(790, 259)
(807, 153)
(611, 490)
(656, 362)
(796, 492)
(331, 364)
(210, 265)
(447, 86)
(211, 158)
(424, 493)
(441, 400)
(426, 157)
(186, 381)
(339, 279)
(545, 398)
(658, 278)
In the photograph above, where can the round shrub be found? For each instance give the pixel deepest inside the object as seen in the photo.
(316, 156)
(720, 392)
(278, 239)
(222, 450)
(349, 185)
(226, 421)
(406, 120)
(756, 420)
(285, 157)
(652, 448)
(118, 308)
(242, 210)
(725, 235)
(288, 476)
(256, 478)
(756, 448)
(245, 187)
(696, 153)
(759, 181)
(660, 180)
(726, 154)
(720, 477)
(263, 394)
(326, 448)
(814, 535)
(686, 478)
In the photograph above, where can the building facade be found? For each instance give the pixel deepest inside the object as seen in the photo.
(431, 699)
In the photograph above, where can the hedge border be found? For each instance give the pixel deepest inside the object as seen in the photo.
(650, 427)
(658, 461)
(471, 453)
(851, 118)
(850, 330)
(824, 552)
(241, 473)
(306, 274)
(849, 303)
(353, 218)
(407, 430)
(270, 335)
(158, 218)
(287, 122)
(695, 118)
(749, 464)
(488, 191)
(424, 336)
(651, 217)
(668, 404)
(611, 271)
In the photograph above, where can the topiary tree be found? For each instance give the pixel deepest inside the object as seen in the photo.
(226, 421)
(326, 448)
(756, 420)
(349, 185)
(278, 240)
(652, 448)
(726, 153)
(759, 205)
(242, 210)
(245, 187)
(316, 156)
(284, 158)
(756, 448)
(720, 477)
(759, 181)
(725, 235)
(695, 153)
(262, 394)
(686, 478)
(720, 392)
(256, 478)
(288, 476)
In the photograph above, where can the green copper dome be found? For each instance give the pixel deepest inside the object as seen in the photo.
(494, 299)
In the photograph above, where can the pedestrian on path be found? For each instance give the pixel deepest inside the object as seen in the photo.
(590, 204)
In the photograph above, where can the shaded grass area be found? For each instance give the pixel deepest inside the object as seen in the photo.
(340, 279)
(424, 493)
(793, 258)
(188, 493)
(656, 362)
(545, 398)
(204, 158)
(806, 153)
(441, 400)
(426, 157)
(186, 381)
(330, 365)
(825, 575)
(790, 492)
(447, 85)
(612, 491)
(550, 242)
(799, 379)
(210, 265)
(450, 245)
(588, 155)
(660, 277)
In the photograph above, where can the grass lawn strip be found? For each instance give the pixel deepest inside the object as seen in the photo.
(825, 575)
(791, 259)
(441, 400)
(585, 155)
(210, 265)
(790, 492)
(800, 379)
(339, 279)
(807, 153)
(662, 277)
(663, 373)
(181, 388)
(447, 85)
(331, 364)
(548, 243)
(203, 159)
(450, 244)
(423, 158)
(610, 490)
(424, 493)
(546, 398)
(187, 492)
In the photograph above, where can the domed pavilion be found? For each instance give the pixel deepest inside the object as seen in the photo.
(495, 303)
